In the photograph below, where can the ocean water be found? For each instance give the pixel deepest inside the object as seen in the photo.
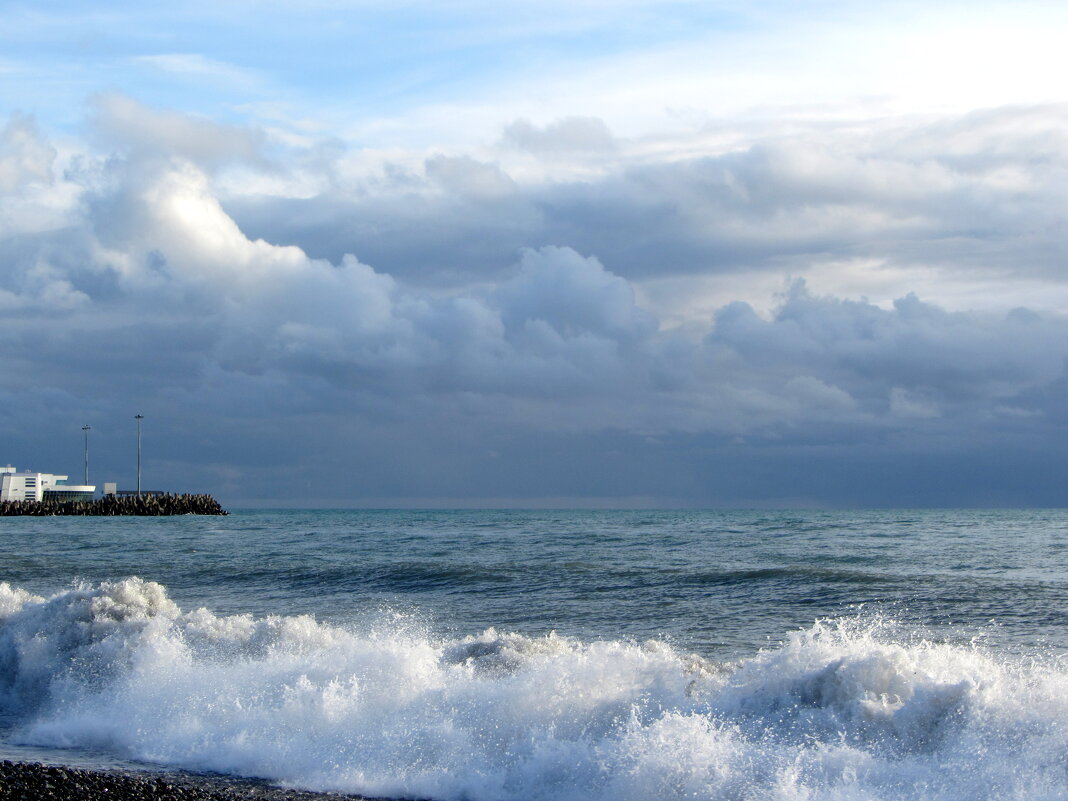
(504, 655)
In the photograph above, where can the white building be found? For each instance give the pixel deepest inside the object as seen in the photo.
(27, 486)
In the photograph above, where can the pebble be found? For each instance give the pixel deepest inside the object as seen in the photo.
(27, 781)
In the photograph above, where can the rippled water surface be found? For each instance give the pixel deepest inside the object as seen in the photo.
(720, 583)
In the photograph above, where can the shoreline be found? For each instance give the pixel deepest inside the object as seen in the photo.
(37, 781)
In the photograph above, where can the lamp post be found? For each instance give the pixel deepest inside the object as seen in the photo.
(86, 429)
(139, 418)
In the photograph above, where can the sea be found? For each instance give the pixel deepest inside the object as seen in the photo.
(507, 655)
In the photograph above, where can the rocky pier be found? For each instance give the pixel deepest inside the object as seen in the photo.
(116, 505)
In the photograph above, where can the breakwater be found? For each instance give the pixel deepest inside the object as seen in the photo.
(114, 505)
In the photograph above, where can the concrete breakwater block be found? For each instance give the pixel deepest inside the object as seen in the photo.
(114, 505)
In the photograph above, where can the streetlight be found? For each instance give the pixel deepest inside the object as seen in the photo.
(86, 429)
(139, 418)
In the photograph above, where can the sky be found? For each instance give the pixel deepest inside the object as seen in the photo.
(553, 254)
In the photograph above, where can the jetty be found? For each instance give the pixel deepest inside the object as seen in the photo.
(147, 505)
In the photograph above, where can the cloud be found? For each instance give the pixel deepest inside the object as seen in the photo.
(560, 329)
(201, 68)
(563, 137)
(154, 294)
(907, 361)
(31, 199)
(140, 132)
(465, 177)
(948, 206)
(573, 295)
(25, 156)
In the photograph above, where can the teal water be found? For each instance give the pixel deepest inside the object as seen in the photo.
(720, 583)
(500, 655)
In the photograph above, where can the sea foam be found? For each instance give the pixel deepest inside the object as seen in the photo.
(848, 709)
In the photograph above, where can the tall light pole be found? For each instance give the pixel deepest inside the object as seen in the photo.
(86, 429)
(139, 418)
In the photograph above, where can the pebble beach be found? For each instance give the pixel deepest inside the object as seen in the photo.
(32, 781)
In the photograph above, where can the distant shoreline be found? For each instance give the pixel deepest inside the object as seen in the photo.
(163, 505)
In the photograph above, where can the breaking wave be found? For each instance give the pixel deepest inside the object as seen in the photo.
(849, 709)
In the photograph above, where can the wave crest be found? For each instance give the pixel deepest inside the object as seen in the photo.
(845, 709)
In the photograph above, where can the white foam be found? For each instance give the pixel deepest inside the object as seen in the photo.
(846, 710)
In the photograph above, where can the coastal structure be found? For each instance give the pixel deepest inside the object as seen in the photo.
(157, 505)
(48, 495)
(30, 486)
(26, 485)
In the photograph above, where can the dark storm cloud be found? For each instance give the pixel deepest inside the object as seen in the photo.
(532, 372)
(915, 360)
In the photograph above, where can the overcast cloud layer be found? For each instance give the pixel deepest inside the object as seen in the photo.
(787, 305)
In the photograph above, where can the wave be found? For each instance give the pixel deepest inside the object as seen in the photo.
(847, 709)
